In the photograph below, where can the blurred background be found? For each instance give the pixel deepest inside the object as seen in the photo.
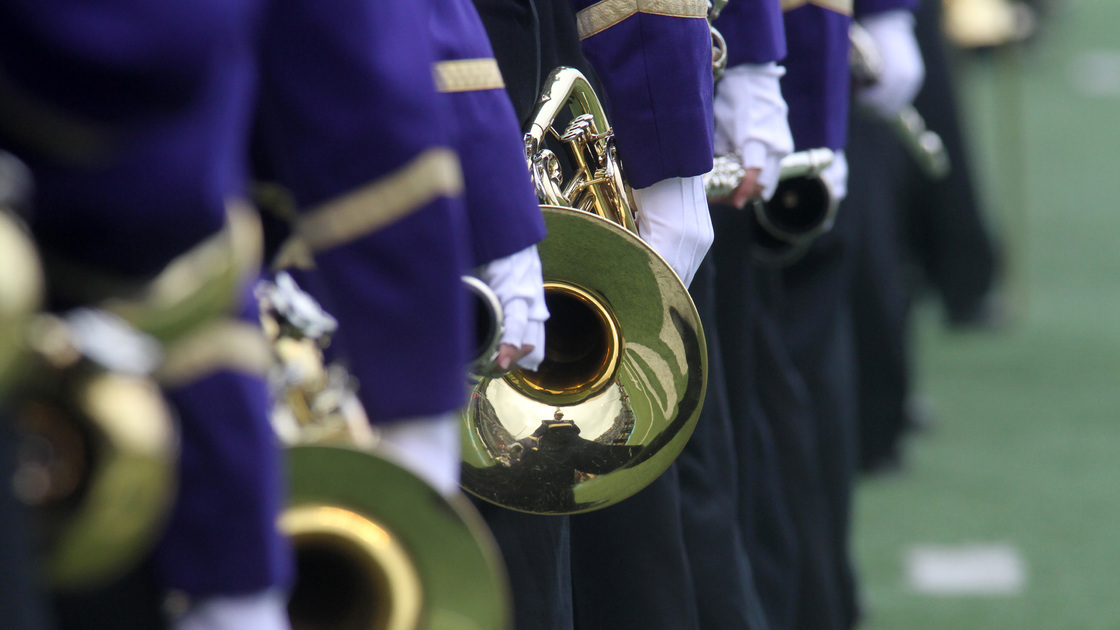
(1003, 508)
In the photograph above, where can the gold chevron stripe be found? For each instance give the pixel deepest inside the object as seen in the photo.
(607, 13)
(844, 7)
(468, 75)
(225, 344)
(432, 174)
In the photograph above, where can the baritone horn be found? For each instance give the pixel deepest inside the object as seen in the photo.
(802, 208)
(377, 548)
(923, 145)
(625, 367)
(719, 44)
(97, 449)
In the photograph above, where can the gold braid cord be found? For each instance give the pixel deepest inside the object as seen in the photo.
(607, 13)
(433, 174)
(468, 75)
(843, 7)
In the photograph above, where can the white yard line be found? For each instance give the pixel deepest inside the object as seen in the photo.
(975, 569)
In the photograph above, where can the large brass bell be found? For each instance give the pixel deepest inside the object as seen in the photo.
(625, 367)
(98, 459)
(97, 443)
(377, 548)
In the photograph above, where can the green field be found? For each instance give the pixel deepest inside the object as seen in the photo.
(1026, 447)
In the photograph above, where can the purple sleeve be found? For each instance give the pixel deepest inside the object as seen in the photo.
(817, 82)
(221, 537)
(656, 72)
(502, 207)
(868, 7)
(754, 31)
(349, 104)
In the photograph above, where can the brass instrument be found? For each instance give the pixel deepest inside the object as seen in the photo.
(719, 44)
(97, 440)
(21, 294)
(488, 325)
(625, 367)
(99, 452)
(377, 548)
(803, 206)
(909, 127)
(988, 23)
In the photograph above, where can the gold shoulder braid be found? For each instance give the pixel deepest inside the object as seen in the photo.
(468, 75)
(607, 13)
(433, 174)
(843, 7)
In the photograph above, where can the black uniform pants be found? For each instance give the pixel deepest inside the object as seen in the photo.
(726, 594)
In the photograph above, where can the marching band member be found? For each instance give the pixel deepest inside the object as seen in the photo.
(813, 314)
(784, 346)
(380, 223)
(502, 208)
(717, 481)
(663, 128)
(388, 235)
(128, 117)
(656, 75)
(781, 510)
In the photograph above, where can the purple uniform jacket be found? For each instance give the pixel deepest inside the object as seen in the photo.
(222, 538)
(817, 85)
(101, 100)
(501, 204)
(133, 118)
(754, 31)
(656, 72)
(348, 119)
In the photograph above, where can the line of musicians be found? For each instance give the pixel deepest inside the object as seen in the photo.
(395, 127)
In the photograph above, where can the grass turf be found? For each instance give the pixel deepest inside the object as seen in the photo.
(1026, 447)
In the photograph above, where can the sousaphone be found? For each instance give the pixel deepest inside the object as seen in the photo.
(625, 366)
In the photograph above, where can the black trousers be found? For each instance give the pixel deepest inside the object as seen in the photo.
(787, 412)
(880, 295)
(785, 507)
(813, 315)
(22, 599)
(630, 570)
(763, 516)
(945, 223)
(726, 594)
(536, 550)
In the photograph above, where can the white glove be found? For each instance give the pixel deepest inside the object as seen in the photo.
(836, 176)
(427, 446)
(516, 281)
(902, 67)
(673, 219)
(267, 610)
(751, 120)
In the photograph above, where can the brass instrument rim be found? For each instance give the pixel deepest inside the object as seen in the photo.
(638, 290)
(380, 553)
(434, 529)
(134, 472)
(529, 384)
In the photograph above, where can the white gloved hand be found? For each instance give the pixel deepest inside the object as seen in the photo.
(902, 67)
(836, 176)
(751, 120)
(673, 219)
(267, 610)
(427, 446)
(516, 281)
